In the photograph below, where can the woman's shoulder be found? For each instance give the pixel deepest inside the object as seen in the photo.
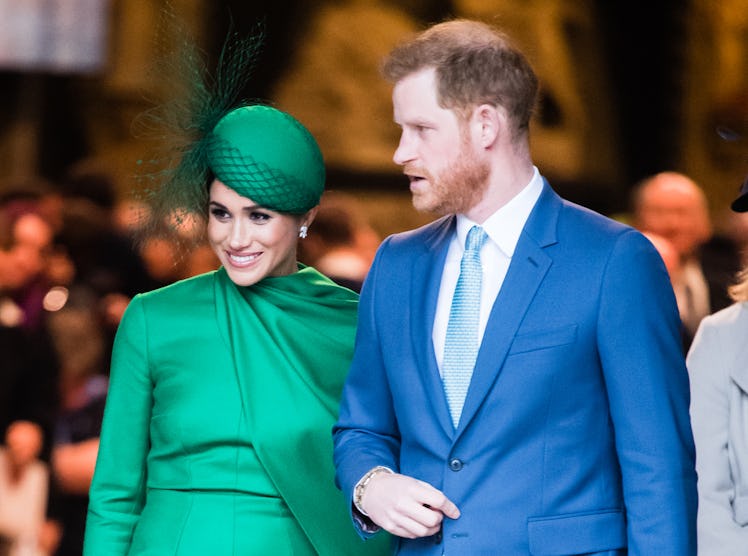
(733, 315)
(182, 295)
(721, 334)
(181, 288)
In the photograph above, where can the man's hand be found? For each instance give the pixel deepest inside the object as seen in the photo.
(405, 506)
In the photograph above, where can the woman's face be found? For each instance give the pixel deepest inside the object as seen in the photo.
(251, 242)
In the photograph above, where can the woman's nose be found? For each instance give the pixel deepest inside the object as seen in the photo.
(240, 235)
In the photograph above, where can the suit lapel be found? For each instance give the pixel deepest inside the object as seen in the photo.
(526, 272)
(426, 279)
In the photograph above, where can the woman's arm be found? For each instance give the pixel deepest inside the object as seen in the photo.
(718, 533)
(118, 489)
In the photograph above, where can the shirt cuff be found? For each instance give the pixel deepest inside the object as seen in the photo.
(364, 522)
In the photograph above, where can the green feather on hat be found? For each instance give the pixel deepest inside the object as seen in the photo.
(209, 132)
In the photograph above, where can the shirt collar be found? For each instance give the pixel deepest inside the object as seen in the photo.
(505, 225)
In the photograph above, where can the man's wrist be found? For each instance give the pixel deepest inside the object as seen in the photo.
(360, 488)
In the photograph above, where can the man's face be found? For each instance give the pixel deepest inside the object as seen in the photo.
(673, 207)
(445, 172)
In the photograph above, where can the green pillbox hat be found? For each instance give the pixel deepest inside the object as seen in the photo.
(268, 156)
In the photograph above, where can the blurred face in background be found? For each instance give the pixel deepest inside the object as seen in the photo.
(25, 253)
(674, 207)
(32, 243)
(24, 442)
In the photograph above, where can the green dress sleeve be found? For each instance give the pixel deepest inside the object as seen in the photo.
(118, 488)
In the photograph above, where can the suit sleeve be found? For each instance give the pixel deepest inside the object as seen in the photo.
(118, 488)
(648, 392)
(719, 533)
(366, 434)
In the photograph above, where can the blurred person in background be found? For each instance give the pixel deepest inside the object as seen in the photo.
(80, 343)
(32, 231)
(719, 414)
(106, 259)
(28, 374)
(673, 206)
(342, 244)
(33, 245)
(674, 266)
(24, 481)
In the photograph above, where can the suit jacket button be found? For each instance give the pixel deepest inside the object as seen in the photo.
(455, 464)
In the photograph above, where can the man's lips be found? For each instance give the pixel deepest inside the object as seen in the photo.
(415, 181)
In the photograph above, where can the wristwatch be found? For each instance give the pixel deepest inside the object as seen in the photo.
(360, 488)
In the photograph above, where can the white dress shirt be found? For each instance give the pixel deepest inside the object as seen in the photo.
(692, 295)
(503, 228)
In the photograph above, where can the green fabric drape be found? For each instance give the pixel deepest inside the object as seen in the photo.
(296, 335)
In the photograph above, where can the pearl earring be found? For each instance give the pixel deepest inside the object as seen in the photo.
(303, 231)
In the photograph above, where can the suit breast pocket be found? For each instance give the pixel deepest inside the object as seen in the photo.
(543, 339)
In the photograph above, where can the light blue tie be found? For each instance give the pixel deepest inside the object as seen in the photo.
(461, 345)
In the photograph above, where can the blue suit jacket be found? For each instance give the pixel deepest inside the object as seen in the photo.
(575, 435)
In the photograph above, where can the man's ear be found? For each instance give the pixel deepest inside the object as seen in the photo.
(491, 123)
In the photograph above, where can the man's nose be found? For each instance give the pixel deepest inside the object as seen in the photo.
(404, 152)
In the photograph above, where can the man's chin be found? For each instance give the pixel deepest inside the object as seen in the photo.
(423, 204)
(436, 206)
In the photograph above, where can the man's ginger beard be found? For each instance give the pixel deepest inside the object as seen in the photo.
(458, 188)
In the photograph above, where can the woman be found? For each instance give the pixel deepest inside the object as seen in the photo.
(224, 387)
(719, 415)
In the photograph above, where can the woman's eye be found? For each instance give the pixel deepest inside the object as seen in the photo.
(218, 213)
(256, 216)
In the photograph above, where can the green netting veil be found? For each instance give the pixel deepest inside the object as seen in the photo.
(205, 130)
(268, 156)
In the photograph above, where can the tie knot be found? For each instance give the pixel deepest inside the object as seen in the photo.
(475, 239)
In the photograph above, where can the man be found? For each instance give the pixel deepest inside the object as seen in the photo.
(573, 435)
(673, 206)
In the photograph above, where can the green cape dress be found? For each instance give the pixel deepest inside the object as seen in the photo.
(217, 431)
